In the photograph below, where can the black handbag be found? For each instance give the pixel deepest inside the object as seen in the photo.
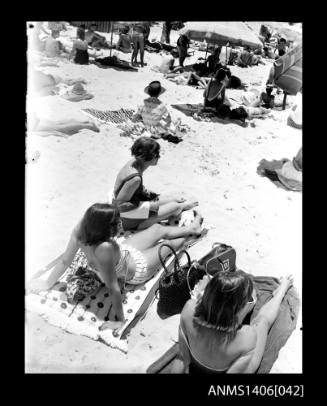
(175, 286)
(221, 257)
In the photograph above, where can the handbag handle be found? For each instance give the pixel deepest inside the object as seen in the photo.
(188, 274)
(218, 259)
(177, 265)
(160, 255)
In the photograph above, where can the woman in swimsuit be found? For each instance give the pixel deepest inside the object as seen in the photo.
(115, 263)
(80, 49)
(214, 94)
(212, 337)
(138, 208)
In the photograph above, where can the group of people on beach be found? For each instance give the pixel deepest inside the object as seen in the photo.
(212, 336)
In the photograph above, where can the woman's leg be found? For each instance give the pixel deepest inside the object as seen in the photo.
(167, 210)
(150, 237)
(141, 42)
(151, 255)
(67, 126)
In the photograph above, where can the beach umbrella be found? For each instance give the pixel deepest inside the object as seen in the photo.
(222, 32)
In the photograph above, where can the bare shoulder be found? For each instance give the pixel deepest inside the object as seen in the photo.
(188, 309)
(105, 251)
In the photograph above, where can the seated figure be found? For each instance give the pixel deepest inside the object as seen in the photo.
(110, 261)
(139, 208)
(212, 336)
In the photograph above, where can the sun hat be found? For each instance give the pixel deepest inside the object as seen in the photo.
(77, 93)
(154, 87)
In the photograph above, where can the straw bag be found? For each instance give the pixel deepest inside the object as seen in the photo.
(174, 287)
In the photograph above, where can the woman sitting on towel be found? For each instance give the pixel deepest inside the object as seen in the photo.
(215, 92)
(212, 336)
(155, 117)
(80, 49)
(138, 208)
(111, 262)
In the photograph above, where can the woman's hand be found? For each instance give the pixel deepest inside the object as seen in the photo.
(180, 199)
(112, 325)
(37, 285)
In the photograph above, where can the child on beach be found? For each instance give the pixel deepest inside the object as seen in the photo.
(139, 209)
(111, 262)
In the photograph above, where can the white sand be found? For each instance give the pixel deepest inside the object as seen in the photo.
(215, 163)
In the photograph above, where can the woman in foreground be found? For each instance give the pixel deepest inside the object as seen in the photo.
(114, 263)
(212, 338)
(138, 208)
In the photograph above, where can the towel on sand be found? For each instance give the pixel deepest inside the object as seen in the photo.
(199, 113)
(277, 336)
(282, 173)
(85, 317)
(110, 116)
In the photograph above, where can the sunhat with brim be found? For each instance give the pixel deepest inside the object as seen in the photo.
(77, 92)
(155, 86)
(290, 177)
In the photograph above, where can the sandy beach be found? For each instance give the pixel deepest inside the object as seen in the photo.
(216, 164)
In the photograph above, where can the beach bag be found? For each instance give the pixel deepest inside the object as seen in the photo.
(175, 286)
(221, 257)
(288, 71)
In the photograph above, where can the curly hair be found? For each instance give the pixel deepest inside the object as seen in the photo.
(100, 223)
(224, 296)
(145, 148)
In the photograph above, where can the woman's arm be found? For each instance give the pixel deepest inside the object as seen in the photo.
(182, 361)
(127, 191)
(106, 254)
(36, 285)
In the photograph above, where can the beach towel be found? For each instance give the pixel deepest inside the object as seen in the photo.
(282, 173)
(198, 113)
(111, 116)
(278, 335)
(85, 317)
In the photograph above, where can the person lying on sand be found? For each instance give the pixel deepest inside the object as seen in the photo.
(212, 336)
(138, 208)
(193, 78)
(46, 84)
(133, 261)
(45, 127)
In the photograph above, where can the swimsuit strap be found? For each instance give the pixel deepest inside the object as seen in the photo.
(219, 92)
(129, 177)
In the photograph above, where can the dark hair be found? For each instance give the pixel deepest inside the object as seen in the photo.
(221, 74)
(99, 224)
(283, 40)
(145, 148)
(224, 296)
(125, 29)
(238, 113)
(83, 26)
(81, 33)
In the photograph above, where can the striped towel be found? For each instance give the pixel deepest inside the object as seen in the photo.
(110, 116)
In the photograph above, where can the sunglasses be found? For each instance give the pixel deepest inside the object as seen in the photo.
(157, 155)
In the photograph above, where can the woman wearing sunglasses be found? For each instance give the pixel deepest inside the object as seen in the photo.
(212, 337)
(139, 209)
